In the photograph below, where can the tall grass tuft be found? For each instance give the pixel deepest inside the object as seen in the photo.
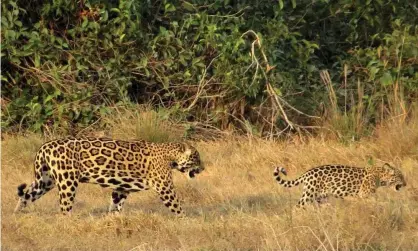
(350, 122)
(143, 122)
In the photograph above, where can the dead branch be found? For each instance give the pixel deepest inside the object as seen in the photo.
(202, 83)
(277, 100)
(270, 90)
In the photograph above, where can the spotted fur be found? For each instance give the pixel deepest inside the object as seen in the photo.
(123, 166)
(341, 181)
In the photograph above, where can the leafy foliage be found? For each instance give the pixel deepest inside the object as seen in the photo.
(66, 64)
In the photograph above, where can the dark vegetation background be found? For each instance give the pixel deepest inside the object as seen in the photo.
(257, 67)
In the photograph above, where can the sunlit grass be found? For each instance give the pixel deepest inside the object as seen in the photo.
(234, 204)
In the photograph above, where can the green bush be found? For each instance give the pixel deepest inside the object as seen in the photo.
(66, 63)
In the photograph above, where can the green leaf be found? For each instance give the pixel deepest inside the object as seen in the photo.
(37, 60)
(277, 91)
(10, 34)
(294, 4)
(386, 79)
(188, 6)
(280, 4)
(85, 22)
(169, 7)
(121, 37)
(373, 70)
(103, 111)
(143, 62)
(18, 23)
(48, 98)
(15, 60)
(105, 16)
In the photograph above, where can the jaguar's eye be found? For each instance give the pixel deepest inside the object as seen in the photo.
(174, 164)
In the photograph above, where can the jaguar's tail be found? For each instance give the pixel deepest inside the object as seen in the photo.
(285, 183)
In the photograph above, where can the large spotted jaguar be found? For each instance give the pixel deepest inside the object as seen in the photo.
(124, 166)
(341, 181)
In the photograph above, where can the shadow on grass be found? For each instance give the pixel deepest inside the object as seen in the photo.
(267, 202)
(251, 204)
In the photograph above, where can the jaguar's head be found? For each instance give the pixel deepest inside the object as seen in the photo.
(392, 177)
(187, 159)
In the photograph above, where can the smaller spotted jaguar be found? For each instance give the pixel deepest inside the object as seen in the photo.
(123, 166)
(341, 181)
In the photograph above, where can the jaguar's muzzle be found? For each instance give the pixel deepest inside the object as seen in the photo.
(193, 172)
(398, 187)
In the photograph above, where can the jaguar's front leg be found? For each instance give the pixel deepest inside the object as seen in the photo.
(169, 197)
(368, 186)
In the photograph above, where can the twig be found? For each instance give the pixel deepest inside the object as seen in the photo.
(296, 110)
(276, 98)
(202, 84)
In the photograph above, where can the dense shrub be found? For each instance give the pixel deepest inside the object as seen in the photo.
(251, 65)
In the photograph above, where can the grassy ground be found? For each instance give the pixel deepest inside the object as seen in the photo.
(234, 205)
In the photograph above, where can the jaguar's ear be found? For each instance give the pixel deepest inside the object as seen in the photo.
(181, 146)
(388, 168)
(186, 148)
(188, 151)
(397, 161)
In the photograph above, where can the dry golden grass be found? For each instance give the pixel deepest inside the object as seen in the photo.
(235, 204)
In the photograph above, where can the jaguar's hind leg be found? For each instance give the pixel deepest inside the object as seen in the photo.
(118, 199)
(67, 190)
(322, 199)
(308, 197)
